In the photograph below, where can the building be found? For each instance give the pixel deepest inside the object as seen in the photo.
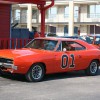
(7, 38)
(83, 15)
(5, 14)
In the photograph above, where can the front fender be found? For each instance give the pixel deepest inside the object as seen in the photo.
(24, 63)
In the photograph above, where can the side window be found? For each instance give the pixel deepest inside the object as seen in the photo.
(66, 46)
(71, 46)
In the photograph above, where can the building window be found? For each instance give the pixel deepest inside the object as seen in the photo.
(23, 17)
(34, 14)
(93, 11)
(52, 29)
(17, 15)
(76, 10)
(66, 30)
(52, 12)
(66, 13)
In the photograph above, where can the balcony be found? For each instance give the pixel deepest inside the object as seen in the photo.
(93, 15)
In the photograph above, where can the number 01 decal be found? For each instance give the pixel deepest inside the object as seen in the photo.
(72, 63)
(65, 61)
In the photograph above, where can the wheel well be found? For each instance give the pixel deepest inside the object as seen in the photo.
(41, 64)
(97, 61)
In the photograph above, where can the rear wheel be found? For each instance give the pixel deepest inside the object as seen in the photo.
(93, 68)
(36, 73)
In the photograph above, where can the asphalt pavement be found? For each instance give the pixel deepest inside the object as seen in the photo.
(64, 86)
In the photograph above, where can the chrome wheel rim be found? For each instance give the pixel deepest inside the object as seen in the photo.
(93, 67)
(37, 72)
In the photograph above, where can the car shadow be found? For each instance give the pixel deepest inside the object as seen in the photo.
(14, 77)
(57, 76)
(74, 74)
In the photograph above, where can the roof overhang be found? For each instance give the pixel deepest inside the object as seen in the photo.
(23, 1)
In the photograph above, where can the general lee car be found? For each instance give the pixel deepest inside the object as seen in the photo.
(50, 55)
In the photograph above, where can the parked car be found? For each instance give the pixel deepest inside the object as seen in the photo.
(50, 55)
(50, 35)
(92, 39)
(72, 37)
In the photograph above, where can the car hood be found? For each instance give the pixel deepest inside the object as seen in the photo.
(20, 52)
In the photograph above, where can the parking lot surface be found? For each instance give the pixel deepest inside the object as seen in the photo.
(64, 86)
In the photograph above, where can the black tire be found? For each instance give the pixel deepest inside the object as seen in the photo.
(35, 73)
(92, 70)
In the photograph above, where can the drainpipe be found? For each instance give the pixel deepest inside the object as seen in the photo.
(43, 9)
(10, 25)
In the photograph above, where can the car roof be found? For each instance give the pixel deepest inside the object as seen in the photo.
(56, 39)
(65, 39)
(81, 42)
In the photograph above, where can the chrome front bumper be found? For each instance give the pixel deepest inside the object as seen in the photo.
(7, 65)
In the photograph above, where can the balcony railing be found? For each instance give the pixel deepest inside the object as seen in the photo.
(93, 15)
(67, 15)
(6, 43)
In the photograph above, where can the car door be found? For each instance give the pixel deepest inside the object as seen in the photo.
(70, 58)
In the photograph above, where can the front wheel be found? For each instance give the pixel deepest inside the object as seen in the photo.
(36, 73)
(93, 68)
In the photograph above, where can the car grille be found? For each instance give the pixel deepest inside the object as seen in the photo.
(6, 60)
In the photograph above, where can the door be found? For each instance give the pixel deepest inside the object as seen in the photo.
(71, 57)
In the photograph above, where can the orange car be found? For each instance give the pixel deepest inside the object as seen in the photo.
(50, 55)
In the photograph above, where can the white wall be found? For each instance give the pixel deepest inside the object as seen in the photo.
(83, 13)
(83, 29)
(60, 16)
(60, 30)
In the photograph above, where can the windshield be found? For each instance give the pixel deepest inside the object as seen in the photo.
(42, 44)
